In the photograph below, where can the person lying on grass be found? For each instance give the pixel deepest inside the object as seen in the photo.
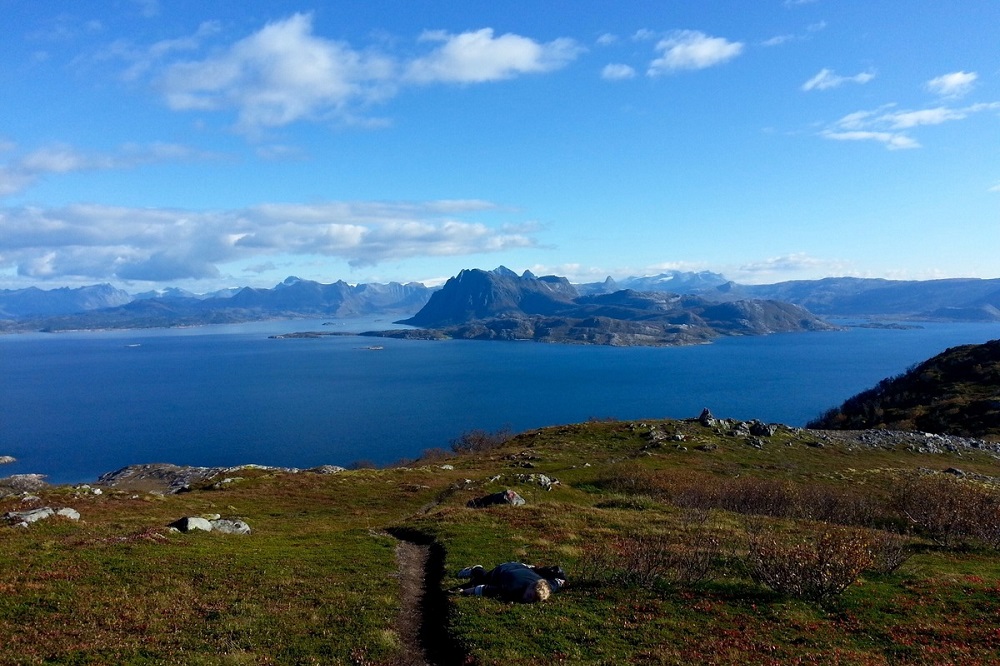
(512, 581)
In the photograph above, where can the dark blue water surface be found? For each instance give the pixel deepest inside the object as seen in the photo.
(75, 405)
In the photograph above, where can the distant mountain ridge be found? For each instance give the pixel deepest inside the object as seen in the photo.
(291, 298)
(35, 302)
(501, 305)
(100, 306)
(956, 392)
(954, 299)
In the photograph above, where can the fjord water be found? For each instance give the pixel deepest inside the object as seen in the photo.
(76, 405)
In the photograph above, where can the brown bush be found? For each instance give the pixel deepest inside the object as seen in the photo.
(817, 568)
(948, 510)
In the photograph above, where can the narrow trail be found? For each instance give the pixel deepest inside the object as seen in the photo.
(422, 624)
(412, 560)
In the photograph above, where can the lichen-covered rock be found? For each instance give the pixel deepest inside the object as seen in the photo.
(227, 526)
(25, 518)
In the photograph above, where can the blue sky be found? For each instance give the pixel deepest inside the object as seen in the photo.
(150, 143)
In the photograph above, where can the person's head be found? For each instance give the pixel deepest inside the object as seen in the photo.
(540, 591)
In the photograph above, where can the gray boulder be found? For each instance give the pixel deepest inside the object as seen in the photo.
(4, 460)
(759, 429)
(192, 524)
(227, 526)
(508, 497)
(706, 418)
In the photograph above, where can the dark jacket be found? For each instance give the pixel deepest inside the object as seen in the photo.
(509, 581)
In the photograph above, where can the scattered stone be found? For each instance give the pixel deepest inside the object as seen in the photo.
(508, 497)
(755, 442)
(706, 447)
(211, 516)
(67, 512)
(447, 467)
(679, 437)
(6, 460)
(955, 472)
(541, 479)
(706, 418)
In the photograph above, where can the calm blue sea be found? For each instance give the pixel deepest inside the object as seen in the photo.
(76, 405)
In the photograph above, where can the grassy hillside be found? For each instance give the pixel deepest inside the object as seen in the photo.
(684, 543)
(956, 392)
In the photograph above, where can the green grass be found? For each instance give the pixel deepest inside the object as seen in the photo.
(316, 581)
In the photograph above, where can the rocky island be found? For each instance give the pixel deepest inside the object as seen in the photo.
(501, 305)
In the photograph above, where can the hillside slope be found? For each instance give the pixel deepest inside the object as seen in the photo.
(658, 524)
(956, 392)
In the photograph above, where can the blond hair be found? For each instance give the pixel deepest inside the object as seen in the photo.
(540, 591)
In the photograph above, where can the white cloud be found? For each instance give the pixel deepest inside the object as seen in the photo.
(285, 73)
(827, 79)
(479, 56)
(278, 75)
(797, 3)
(107, 242)
(607, 39)
(617, 72)
(692, 49)
(25, 170)
(955, 84)
(995, 188)
(643, 35)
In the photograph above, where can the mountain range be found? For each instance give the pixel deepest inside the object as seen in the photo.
(956, 299)
(105, 306)
(83, 308)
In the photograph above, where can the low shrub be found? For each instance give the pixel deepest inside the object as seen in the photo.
(817, 568)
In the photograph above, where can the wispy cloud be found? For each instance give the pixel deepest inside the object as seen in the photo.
(617, 72)
(798, 3)
(108, 242)
(995, 188)
(692, 49)
(24, 170)
(784, 266)
(956, 84)
(891, 140)
(886, 125)
(827, 79)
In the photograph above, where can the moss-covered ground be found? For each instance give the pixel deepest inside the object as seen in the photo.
(316, 581)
